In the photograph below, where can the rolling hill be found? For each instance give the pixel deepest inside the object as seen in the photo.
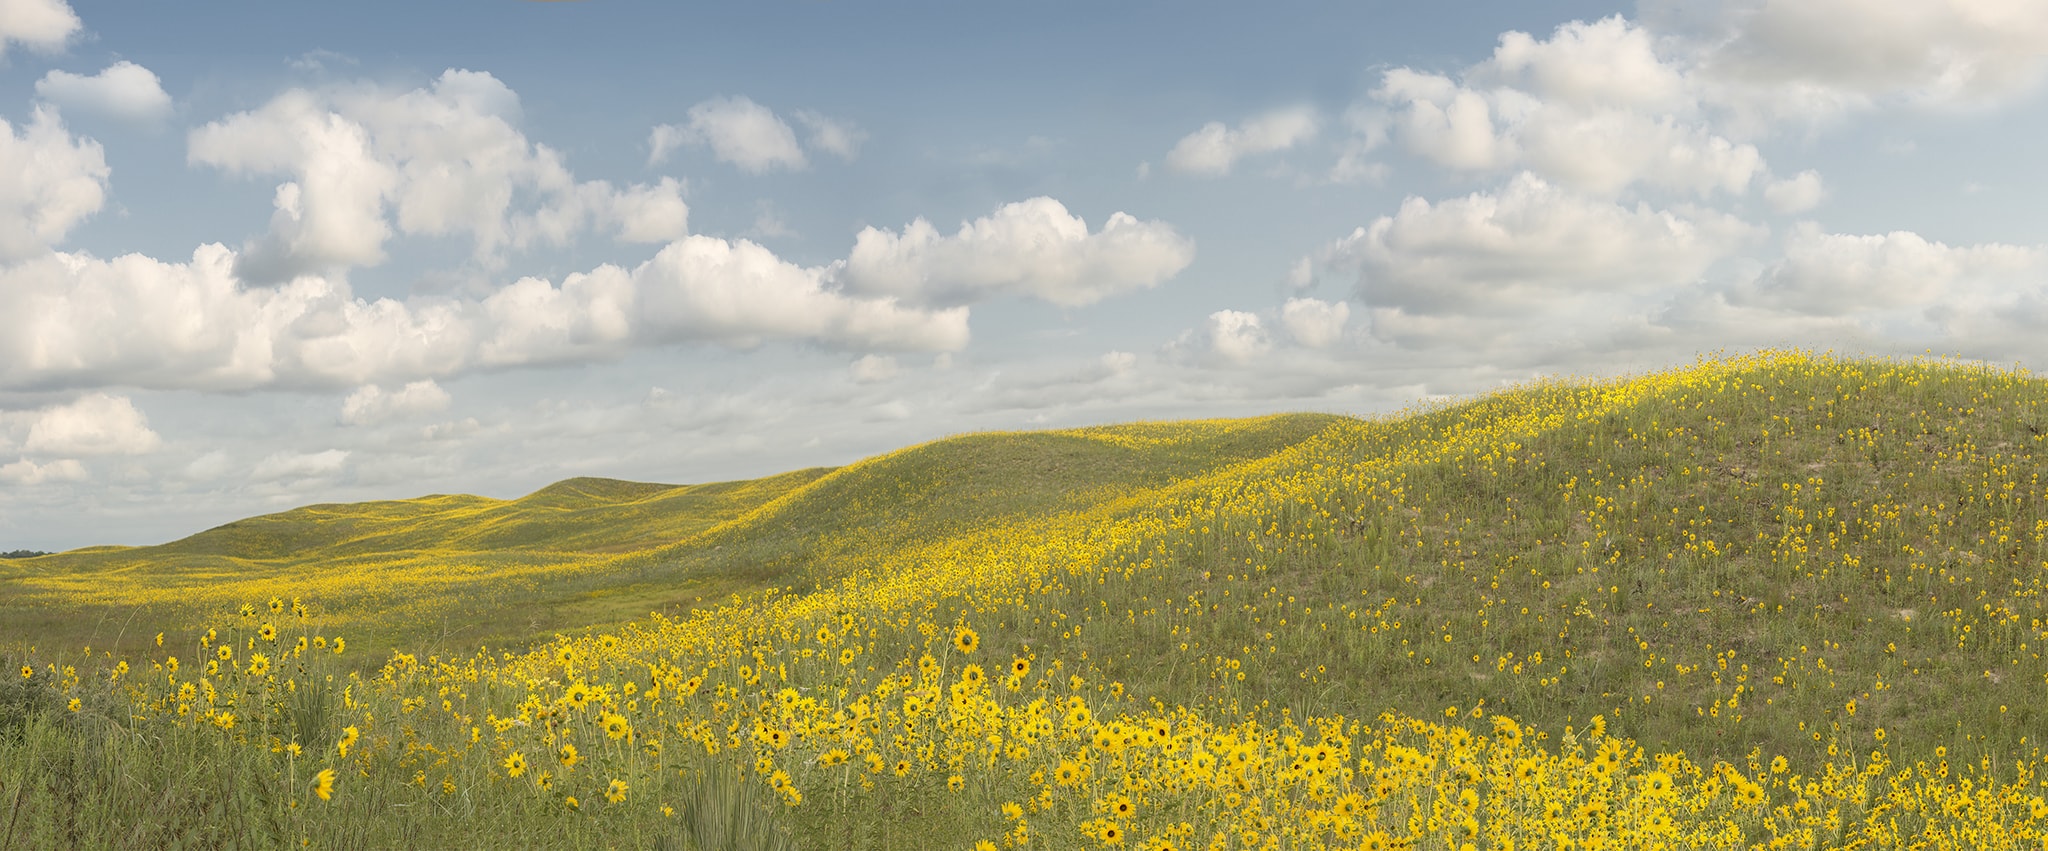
(1778, 600)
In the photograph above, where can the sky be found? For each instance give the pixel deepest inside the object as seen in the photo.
(257, 255)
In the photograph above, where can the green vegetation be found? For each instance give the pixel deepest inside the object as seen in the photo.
(1774, 601)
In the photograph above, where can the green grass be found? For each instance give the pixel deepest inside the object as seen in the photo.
(1774, 556)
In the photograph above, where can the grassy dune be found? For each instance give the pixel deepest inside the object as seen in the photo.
(1772, 601)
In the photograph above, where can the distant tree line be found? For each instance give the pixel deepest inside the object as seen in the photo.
(23, 554)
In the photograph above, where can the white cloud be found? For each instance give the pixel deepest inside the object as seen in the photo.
(370, 404)
(1119, 363)
(49, 182)
(1839, 274)
(1795, 194)
(652, 213)
(839, 138)
(27, 472)
(1032, 247)
(1593, 107)
(94, 424)
(299, 465)
(741, 132)
(123, 89)
(1500, 252)
(870, 369)
(72, 320)
(1805, 53)
(41, 24)
(446, 160)
(739, 293)
(1237, 336)
(1313, 322)
(1214, 148)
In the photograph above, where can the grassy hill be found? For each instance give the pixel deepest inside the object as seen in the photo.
(1771, 601)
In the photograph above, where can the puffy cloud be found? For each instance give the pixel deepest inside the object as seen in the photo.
(1214, 148)
(1501, 252)
(739, 293)
(738, 131)
(72, 320)
(1795, 194)
(299, 465)
(49, 182)
(41, 24)
(1798, 54)
(1593, 107)
(1830, 274)
(1313, 322)
(446, 160)
(652, 213)
(369, 404)
(870, 369)
(1032, 247)
(27, 472)
(94, 424)
(1237, 336)
(839, 138)
(123, 89)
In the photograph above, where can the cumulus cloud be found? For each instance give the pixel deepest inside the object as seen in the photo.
(445, 160)
(370, 404)
(49, 182)
(1236, 336)
(93, 424)
(1793, 55)
(743, 133)
(1593, 107)
(1795, 194)
(1500, 252)
(299, 465)
(1213, 149)
(40, 24)
(73, 320)
(1838, 274)
(1314, 323)
(27, 472)
(839, 138)
(123, 89)
(1032, 248)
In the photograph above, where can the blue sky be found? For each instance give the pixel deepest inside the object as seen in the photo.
(255, 256)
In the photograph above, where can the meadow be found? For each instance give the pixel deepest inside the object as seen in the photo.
(1779, 600)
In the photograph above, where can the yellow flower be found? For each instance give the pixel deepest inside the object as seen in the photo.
(568, 756)
(339, 645)
(515, 765)
(349, 735)
(323, 784)
(615, 726)
(966, 640)
(571, 801)
(259, 665)
(27, 672)
(267, 632)
(616, 792)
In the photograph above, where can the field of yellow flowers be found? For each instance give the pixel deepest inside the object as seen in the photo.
(1780, 600)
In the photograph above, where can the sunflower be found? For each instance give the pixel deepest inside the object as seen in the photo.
(267, 632)
(615, 726)
(616, 792)
(966, 640)
(349, 735)
(568, 756)
(259, 665)
(323, 784)
(515, 765)
(1020, 667)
